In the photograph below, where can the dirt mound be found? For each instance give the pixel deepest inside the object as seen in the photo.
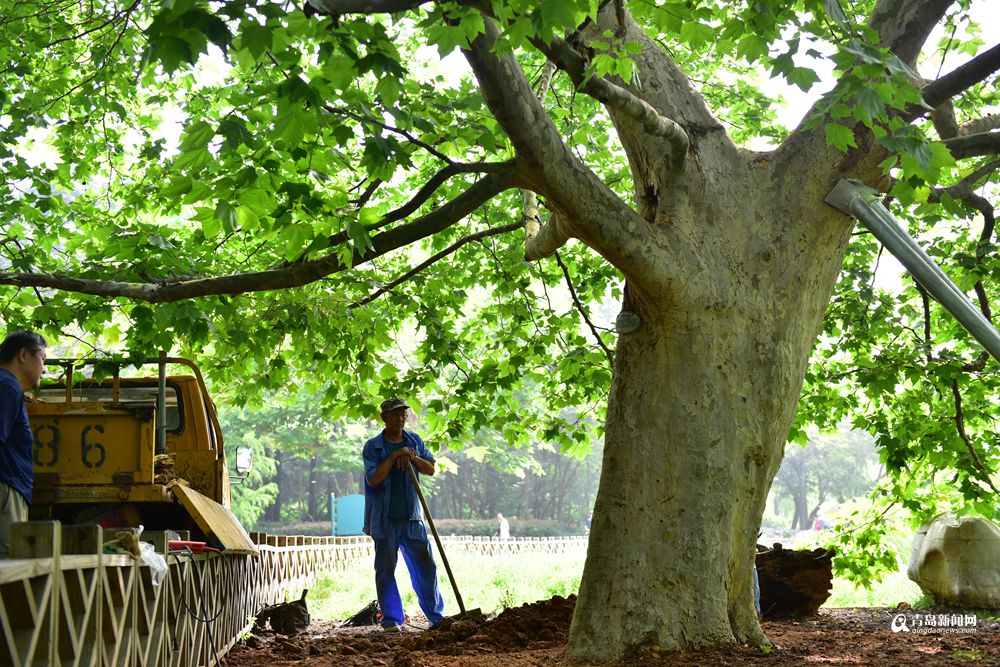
(538, 627)
(528, 626)
(534, 635)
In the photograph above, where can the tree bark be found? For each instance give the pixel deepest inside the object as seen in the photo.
(703, 396)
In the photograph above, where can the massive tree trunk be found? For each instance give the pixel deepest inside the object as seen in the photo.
(704, 392)
(730, 258)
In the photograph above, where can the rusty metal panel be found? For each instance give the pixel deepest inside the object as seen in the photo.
(92, 444)
(199, 469)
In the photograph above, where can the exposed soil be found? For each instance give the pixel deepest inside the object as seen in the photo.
(535, 635)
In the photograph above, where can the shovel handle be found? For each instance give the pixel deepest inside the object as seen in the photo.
(437, 540)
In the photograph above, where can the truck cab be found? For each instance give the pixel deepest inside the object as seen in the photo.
(124, 451)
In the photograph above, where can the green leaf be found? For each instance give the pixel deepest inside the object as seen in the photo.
(213, 27)
(835, 12)
(359, 236)
(226, 214)
(803, 77)
(256, 38)
(752, 47)
(840, 137)
(197, 135)
(172, 52)
(178, 186)
(870, 105)
(235, 132)
(339, 71)
(697, 34)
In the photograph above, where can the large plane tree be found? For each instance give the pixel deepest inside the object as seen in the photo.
(313, 197)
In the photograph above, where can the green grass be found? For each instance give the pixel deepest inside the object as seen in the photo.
(893, 589)
(971, 655)
(490, 583)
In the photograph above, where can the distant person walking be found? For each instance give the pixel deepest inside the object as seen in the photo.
(22, 363)
(503, 527)
(394, 518)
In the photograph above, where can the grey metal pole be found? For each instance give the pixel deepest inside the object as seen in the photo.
(161, 409)
(858, 200)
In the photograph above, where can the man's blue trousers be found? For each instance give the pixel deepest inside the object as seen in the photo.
(412, 541)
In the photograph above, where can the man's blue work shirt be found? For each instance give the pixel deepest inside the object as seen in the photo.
(377, 498)
(17, 467)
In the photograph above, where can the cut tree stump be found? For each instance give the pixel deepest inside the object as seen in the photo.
(793, 582)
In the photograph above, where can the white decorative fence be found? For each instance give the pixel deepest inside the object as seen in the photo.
(63, 602)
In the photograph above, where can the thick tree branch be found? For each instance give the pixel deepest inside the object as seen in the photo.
(296, 275)
(339, 7)
(984, 124)
(512, 100)
(436, 181)
(973, 145)
(495, 231)
(583, 312)
(368, 192)
(958, 80)
(547, 240)
(531, 216)
(944, 121)
(617, 98)
(964, 188)
(531, 219)
(420, 197)
(904, 25)
(587, 207)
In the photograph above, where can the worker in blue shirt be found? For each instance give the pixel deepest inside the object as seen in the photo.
(394, 518)
(22, 362)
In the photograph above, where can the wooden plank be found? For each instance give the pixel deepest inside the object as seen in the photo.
(215, 519)
(79, 620)
(17, 570)
(82, 539)
(40, 539)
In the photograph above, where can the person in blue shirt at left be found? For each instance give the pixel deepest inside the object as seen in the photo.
(22, 363)
(394, 518)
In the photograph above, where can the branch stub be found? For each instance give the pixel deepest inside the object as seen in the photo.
(627, 321)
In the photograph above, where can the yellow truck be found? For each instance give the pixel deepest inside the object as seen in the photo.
(128, 451)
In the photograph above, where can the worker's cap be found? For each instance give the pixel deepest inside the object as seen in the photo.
(391, 404)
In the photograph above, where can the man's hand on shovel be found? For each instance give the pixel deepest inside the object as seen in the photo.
(404, 457)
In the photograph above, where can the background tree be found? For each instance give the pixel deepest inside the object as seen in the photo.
(254, 494)
(830, 467)
(321, 147)
(535, 482)
(306, 457)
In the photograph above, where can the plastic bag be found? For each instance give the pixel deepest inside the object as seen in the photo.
(156, 562)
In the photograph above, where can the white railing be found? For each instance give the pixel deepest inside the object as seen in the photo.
(65, 603)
